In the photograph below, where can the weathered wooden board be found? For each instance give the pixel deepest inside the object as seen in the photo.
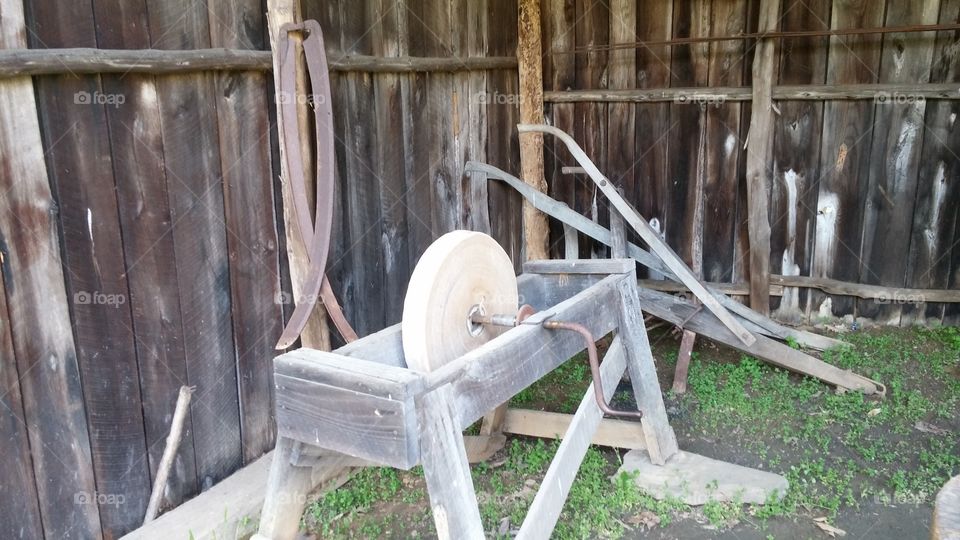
(188, 107)
(723, 143)
(892, 176)
(502, 114)
(452, 497)
(653, 185)
(591, 28)
(550, 425)
(79, 163)
(688, 136)
(354, 406)
(363, 297)
(937, 194)
(796, 155)
(384, 18)
(677, 311)
(46, 358)
(249, 221)
(559, 73)
(135, 137)
(20, 513)
(845, 153)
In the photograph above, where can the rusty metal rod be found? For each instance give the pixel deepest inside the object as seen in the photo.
(762, 35)
(593, 359)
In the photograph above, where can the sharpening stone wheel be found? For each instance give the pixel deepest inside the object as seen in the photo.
(462, 273)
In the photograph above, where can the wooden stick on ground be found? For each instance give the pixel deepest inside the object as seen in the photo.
(169, 453)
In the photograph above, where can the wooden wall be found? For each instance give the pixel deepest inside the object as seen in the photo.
(862, 192)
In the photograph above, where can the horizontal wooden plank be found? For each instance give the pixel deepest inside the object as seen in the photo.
(493, 373)
(552, 425)
(356, 374)
(580, 266)
(346, 421)
(20, 62)
(899, 295)
(719, 94)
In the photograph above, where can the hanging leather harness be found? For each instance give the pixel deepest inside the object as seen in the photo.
(315, 232)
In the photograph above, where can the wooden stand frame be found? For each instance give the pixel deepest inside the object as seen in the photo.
(361, 401)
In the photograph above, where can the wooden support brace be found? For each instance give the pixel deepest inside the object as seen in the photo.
(444, 459)
(548, 502)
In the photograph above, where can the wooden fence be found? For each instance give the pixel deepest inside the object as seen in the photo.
(139, 232)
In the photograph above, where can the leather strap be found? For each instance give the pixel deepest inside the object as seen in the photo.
(314, 232)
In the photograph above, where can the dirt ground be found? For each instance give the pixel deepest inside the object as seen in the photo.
(868, 467)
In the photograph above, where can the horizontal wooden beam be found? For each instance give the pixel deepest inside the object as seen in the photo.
(882, 93)
(552, 425)
(880, 293)
(79, 61)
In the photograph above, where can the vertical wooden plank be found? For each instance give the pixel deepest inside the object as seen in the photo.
(530, 68)
(188, 109)
(418, 39)
(621, 117)
(452, 498)
(591, 28)
(46, 358)
(20, 512)
(475, 30)
(145, 221)
(895, 158)
(79, 163)
(796, 155)
(653, 181)
(688, 139)
(250, 222)
(360, 180)
(390, 149)
(938, 191)
(723, 144)
(502, 114)
(559, 73)
(845, 153)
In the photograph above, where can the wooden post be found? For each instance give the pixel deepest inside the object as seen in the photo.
(661, 441)
(316, 334)
(530, 67)
(759, 153)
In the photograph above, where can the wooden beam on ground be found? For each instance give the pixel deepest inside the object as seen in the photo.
(682, 313)
(759, 162)
(77, 61)
(660, 248)
(551, 425)
(530, 67)
(720, 94)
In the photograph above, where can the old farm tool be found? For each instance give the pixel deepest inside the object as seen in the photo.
(402, 397)
(687, 315)
(315, 231)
